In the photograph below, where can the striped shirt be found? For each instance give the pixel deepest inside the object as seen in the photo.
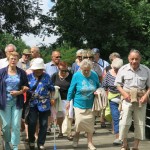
(108, 83)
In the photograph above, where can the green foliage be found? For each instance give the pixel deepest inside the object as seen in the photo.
(116, 25)
(16, 16)
(6, 39)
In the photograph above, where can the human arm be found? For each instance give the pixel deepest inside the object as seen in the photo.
(145, 97)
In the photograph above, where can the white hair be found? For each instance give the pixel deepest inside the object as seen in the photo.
(10, 45)
(86, 63)
(117, 63)
(79, 52)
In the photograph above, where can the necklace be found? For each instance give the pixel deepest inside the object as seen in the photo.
(62, 78)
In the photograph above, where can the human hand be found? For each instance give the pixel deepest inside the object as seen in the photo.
(24, 89)
(143, 99)
(126, 97)
(52, 101)
(67, 105)
(15, 93)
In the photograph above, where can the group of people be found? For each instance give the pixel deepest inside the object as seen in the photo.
(31, 85)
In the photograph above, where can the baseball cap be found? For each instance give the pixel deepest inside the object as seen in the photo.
(95, 50)
(26, 51)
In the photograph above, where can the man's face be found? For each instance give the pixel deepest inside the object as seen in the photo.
(56, 57)
(96, 56)
(9, 50)
(26, 57)
(34, 53)
(134, 60)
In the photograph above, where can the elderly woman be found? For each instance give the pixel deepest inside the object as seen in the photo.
(83, 85)
(41, 88)
(63, 79)
(76, 64)
(12, 81)
(88, 54)
(114, 95)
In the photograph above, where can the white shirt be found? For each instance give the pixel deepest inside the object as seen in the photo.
(103, 64)
(3, 63)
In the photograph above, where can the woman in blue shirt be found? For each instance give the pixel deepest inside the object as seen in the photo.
(83, 85)
(12, 81)
(41, 88)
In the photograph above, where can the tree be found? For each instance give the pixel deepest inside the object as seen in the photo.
(6, 39)
(116, 25)
(16, 16)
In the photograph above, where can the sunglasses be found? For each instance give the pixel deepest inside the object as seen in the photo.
(26, 55)
(63, 70)
(79, 56)
(90, 57)
(58, 57)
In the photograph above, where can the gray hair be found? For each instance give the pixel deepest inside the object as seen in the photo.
(134, 51)
(10, 45)
(117, 63)
(86, 63)
(79, 52)
(114, 55)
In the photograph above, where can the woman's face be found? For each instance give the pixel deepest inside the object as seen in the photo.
(13, 61)
(38, 72)
(63, 70)
(86, 71)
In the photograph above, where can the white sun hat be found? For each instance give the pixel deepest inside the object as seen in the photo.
(38, 63)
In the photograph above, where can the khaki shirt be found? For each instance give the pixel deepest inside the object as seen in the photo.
(128, 78)
(23, 65)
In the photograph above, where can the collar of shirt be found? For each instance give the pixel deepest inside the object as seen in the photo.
(52, 63)
(130, 68)
(22, 61)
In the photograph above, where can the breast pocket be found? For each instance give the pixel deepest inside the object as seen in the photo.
(141, 81)
(128, 80)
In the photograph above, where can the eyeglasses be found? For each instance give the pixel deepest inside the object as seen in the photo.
(79, 56)
(26, 55)
(64, 71)
(90, 57)
(58, 57)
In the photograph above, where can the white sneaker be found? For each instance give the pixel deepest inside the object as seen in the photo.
(91, 147)
(117, 142)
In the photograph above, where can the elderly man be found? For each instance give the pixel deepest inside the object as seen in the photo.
(8, 49)
(133, 82)
(24, 62)
(35, 52)
(52, 66)
(102, 63)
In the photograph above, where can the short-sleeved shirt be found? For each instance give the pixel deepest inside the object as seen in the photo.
(128, 78)
(51, 68)
(102, 64)
(23, 65)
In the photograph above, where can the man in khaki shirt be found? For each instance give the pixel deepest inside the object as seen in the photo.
(133, 76)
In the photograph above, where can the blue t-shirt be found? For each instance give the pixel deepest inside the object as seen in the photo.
(12, 84)
(82, 90)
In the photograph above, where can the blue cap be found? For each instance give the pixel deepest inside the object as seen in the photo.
(95, 50)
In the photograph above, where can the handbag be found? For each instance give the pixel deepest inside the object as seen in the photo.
(66, 125)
